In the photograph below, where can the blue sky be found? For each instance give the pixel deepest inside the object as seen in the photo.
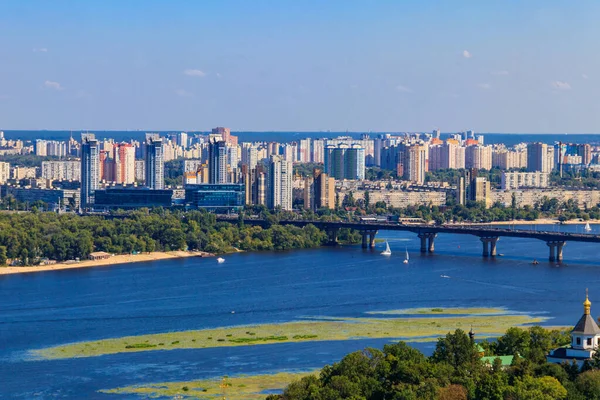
(491, 66)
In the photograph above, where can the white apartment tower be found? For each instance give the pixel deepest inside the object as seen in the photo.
(280, 189)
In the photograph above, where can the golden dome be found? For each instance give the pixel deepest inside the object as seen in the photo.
(587, 304)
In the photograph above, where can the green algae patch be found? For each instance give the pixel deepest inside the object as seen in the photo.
(443, 311)
(242, 387)
(425, 328)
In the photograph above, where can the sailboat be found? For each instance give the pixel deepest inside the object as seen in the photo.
(220, 260)
(387, 251)
(406, 259)
(587, 228)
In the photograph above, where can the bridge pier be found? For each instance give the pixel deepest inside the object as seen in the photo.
(489, 245)
(427, 241)
(372, 235)
(368, 239)
(556, 250)
(332, 233)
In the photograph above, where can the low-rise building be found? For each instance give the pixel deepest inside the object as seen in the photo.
(215, 197)
(516, 180)
(530, 197)
(52, 197)
(131, 198)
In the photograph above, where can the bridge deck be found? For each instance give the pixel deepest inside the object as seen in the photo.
(475, 230)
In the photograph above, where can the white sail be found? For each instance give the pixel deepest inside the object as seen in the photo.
(407, 257)
(387, 251)
(587, 227)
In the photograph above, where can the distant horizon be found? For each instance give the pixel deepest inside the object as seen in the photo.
(296, 131)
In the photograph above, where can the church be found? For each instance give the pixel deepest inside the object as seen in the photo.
(585, 339)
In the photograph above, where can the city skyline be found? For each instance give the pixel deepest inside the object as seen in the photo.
(338, 66)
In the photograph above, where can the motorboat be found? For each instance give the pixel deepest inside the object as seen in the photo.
(387, 251)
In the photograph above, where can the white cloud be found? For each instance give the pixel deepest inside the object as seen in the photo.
(53, 85)
(560, 85)
(467, 54)
(584, 76)
(500, 72)
(403, 89)
(194, 72)
(484, 86)
(183, 93)
(40, 50)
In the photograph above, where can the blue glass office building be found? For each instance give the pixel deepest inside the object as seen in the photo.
(215, 197)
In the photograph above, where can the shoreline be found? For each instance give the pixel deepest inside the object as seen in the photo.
(541, 221)
(114, 260)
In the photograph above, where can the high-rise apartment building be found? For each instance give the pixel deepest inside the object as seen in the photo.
(249, 155)
(318, 151)
(354, 163)
(414, 164)
(324, 191)
(540, 157)
(124, 163)
(217, 162)
(61, 170)
(226, 135)
(473, 188)
(155, 171)
(478, 157)
(280, 190)
(344, 162)
(90, 168)
(304, 151)
(4, 172)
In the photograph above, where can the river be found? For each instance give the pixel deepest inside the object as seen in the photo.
(57, 307)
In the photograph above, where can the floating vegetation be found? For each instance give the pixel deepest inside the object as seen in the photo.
(421, 326)
(443, 311)
(140, 346)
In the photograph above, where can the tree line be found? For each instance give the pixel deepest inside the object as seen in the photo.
(455, 371)
(30, 237)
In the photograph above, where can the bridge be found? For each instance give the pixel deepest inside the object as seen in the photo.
(488, 235)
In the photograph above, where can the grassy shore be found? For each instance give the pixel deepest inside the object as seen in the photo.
(114, 260)
(417, 328)
(242, 387)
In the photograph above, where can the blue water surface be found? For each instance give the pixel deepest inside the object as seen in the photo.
(57, 307)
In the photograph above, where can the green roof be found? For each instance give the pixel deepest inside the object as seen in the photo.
(480, 349)
(506, 360)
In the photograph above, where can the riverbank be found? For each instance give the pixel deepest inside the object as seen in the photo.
(541, 221)
(113, 260)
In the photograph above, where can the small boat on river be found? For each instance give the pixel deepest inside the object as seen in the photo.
(387, 251)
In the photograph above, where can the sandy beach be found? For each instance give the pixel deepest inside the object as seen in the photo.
(114, 260)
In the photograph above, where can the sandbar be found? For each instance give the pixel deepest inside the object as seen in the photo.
(241, 387)
(414, 328)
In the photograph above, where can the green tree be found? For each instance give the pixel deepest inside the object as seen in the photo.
(514, 341)
(588, 384)
(456, 349)
(3, 256)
